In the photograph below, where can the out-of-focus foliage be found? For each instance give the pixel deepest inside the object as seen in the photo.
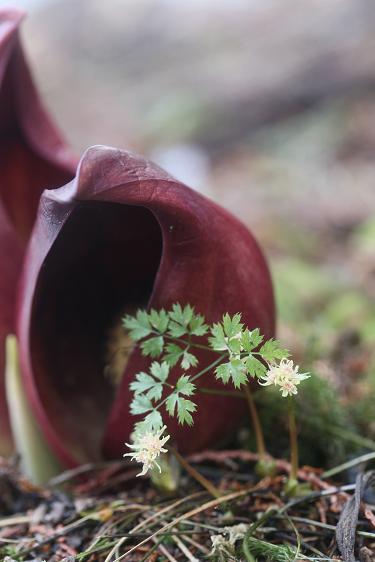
(325, 297)
(318, 413)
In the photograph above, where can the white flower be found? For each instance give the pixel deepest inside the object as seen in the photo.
(219, 543)
(226, 546)
(285, 375)
(147, 448)
(236, 532)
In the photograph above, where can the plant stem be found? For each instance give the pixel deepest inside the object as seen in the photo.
(188, 343)
(191, 344)
(293, 440)
(259, 438)
(195, 474)
(210, 366)
(218, 392)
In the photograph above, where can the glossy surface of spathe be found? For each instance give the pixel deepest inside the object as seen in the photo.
(125, 234)
(32, 157)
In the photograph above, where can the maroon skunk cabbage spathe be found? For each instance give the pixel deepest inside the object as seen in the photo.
(125, 234)
(32, 157)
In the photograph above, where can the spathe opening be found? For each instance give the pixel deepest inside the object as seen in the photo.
(103, 263)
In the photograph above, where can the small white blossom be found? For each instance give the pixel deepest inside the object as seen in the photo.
(219, 544)
(285, 375)
(225, 547)
(236, 532)
(147, 448)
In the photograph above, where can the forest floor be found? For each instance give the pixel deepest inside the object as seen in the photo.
(324, 283)
(293, 157)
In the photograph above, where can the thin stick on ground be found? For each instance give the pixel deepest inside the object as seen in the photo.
(145, 522)
(208, 505)
(203, 481)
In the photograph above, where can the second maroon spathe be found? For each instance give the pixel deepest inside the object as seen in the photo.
(33, 157)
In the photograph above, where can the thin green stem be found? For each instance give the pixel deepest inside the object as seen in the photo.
(188, 343)
(218, 392)
(202, 372)
(210, 366)
(293, 440)
(191, 344)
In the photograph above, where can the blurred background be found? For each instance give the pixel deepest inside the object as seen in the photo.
(268, 107)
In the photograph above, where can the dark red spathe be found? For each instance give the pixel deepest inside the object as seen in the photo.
(124, 234)
(32, 158)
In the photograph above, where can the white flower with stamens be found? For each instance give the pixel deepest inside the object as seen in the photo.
(285, 375)
(146, 449)
(222, 546)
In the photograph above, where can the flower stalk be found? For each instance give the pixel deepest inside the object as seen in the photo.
(293, 436)
(287, 377)
(259, 437)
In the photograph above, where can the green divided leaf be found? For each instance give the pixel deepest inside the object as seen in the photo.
(138, 326)
(234, 345)
(255, 368)
(184, 406)
(142, 383)
(222, 372)
(229, 337)
(153, 421)
(232, 325)
(159, 320)
(182, 315)
(153, 347)
(185, 321)
(272, 350)
(233, 370)
(188, 360)
(184, 386)
(155, 392)
(176, 330)
(140, 405)
(148, 387)
(197, 325)
(184, 409)
(173, 355)
(218, 341)
(251, 339)
(160, 370)
(238, 372)
(171, 403)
